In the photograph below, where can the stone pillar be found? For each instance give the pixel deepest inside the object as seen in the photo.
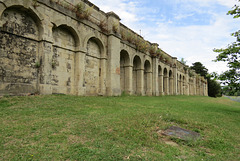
(175, 78)
(178, 86)
(103, 77)
(140, 80)
(160, 84)
(79, 72)
(155, 90)
(171, 86)
(149, 84)
(187, 86)
(206, 94)
(198, 84)
(166, 86)
(113, 72)
(128, 79)
(45, 57)
(181, 86)
(194, 85)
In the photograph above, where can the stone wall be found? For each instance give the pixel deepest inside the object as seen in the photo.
(72, 47)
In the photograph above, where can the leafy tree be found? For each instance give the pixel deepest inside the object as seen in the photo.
(231, 55)
(214, 88)
(200, 69)
(230, 80)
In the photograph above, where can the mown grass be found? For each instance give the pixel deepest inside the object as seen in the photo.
(62, 127)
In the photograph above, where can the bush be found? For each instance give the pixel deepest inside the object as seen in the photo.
(214, 88)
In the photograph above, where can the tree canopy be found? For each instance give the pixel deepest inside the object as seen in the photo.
(231, 55)
(200, 69)
(214, 88)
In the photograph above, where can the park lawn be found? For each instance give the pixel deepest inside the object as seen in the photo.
(61, 127)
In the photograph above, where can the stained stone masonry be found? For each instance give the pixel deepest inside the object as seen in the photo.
(72, 47)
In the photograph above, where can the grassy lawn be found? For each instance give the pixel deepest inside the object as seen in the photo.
(60, 127)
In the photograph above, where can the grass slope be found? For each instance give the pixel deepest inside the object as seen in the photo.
(62, 127)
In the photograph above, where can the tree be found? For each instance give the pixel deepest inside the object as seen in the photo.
(231, 55)
(214, 88)
(230, 79)
(200, 69)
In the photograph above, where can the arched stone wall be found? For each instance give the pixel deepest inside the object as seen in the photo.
(137, 76)
(93, 67)
(63, 60)
(124, 71)
(147, 78)
(20, 61)
(44, 48)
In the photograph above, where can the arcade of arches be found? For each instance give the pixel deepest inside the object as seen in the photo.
(47, 49)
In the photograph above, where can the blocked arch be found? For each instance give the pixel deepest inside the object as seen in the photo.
(136, 75)
(70, 27)
(124, 56)
(99, 42)
(69, 31)
(22, 29)
(138, 61)
(147, 78)
(124, 71)
(95, 69)
(35, 16)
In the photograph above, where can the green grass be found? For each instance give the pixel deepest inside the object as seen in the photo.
(60, 127)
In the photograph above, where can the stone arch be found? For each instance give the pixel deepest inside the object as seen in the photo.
(98, 41)
(137, 75)
(165, 82)
(20, 60)
(70, 27)
(63, 60)
(147, 78)
(65, 37)
(29, 11)
(94, 67)
(170, 82)
(124, 71)
(160, 80)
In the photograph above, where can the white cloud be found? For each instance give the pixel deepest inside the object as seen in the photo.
(227, 3)
(182, 16)
(124, 9)
(196, 43)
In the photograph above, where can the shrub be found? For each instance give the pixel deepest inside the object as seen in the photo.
(115, 28)
(103, 26)
(82, 12)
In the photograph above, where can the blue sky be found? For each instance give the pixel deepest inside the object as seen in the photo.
(188, 29)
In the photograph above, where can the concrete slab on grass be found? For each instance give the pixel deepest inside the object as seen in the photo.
(181, 133)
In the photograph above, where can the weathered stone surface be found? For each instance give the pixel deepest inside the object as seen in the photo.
(181, 133)
(46, 47)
